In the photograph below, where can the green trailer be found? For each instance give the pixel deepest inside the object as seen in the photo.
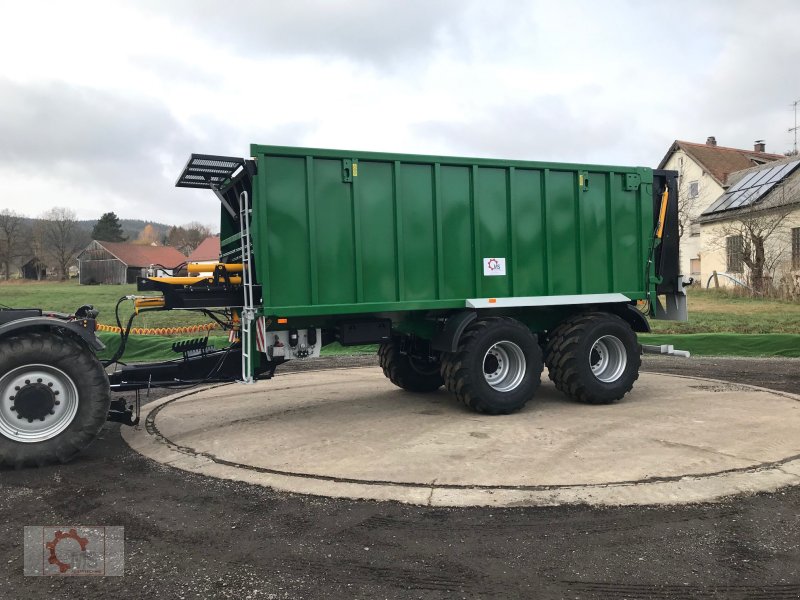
(470, 274)
(440, 259)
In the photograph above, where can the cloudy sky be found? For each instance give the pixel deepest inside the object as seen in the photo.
(101, 103)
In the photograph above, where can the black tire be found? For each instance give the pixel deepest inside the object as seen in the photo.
(406, 372)
(464, 373)
(593, 339)
(70, 364)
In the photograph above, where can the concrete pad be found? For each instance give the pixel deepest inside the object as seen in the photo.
(351, 433)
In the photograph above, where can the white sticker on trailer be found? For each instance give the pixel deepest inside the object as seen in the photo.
(494, 266)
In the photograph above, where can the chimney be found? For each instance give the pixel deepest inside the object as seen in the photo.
(759, 146)
(711, 141)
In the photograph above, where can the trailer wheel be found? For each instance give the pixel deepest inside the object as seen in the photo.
(593, 358)
(54, 399)
(497, 367)
(407, 372)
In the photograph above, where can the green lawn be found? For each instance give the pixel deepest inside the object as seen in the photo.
(711, 312)
(68, 296)
(718, 311)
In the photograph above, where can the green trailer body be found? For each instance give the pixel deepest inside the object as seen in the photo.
(345, 232)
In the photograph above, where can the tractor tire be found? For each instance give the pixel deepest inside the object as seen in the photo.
(497, 367)
(593, 358)
(406, 372)
(54, 399)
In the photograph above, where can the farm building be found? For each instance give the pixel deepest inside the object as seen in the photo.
(35, 268)
(117, 262)
(207, 252)
(758, 214)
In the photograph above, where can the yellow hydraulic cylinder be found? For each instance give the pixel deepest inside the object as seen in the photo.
(148, 302)
(191, 280)
(209, 267)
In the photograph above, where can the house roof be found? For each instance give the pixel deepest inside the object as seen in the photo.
(136, 255)
(719, 161)
(752, 187)
(208, 250)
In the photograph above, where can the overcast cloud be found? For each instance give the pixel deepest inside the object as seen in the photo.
(101, 103)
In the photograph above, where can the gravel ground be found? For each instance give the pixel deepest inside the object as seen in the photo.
(192, 537)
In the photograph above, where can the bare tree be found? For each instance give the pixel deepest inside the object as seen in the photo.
(187, 237)
(63, 238)
(12, 237)
(687, 203)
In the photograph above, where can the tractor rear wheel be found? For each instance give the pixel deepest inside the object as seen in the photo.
(54, 399)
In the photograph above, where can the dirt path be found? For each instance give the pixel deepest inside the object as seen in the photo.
(192, 537)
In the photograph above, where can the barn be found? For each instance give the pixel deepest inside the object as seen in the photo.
(35, 268)
(117, 262)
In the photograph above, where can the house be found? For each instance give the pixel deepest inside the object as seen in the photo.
(704, 170)
(118, 262)
(760, 202)
(35, 268)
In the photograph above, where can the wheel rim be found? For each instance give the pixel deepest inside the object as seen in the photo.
(37, 402)
(504, 366)
(608, 358)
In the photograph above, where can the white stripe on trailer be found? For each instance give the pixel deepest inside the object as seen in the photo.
(261, 335)
(523, 301)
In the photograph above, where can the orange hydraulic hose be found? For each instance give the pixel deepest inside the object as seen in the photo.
(160, 330)
(663, 212)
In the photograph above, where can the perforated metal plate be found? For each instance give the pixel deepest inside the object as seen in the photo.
(208, 171)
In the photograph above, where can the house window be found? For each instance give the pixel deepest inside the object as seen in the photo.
(694, 267)
(694, 228)
(694, 189)
(735, 248)
(796, 248)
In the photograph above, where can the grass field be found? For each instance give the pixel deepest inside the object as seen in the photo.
(717, 311)
(68, 296)
(710, 312)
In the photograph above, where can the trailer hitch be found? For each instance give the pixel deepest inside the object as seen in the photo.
(121, 412)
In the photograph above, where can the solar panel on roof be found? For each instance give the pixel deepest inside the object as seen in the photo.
(752, 187)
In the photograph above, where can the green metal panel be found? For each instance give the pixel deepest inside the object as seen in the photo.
(562, 232)
(594, 234)
(339, 232)
(529, 250)
(416, 237)
(375, 200)
(285, 178)
(457, 264)
(333, 209)
(491, 199)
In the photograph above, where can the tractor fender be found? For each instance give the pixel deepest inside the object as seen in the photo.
(83, 329)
